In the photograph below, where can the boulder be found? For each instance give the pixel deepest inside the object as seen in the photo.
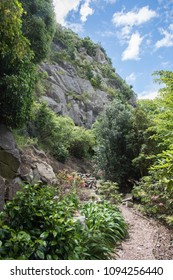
(35, 166)
(44, 172)
(9, 154)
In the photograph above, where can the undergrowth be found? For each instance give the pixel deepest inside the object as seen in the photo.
(39, 223)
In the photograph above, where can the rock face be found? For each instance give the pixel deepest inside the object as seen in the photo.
(17, 167)
(69, 94)
(35, 166)
(9, 154)
(80, 78)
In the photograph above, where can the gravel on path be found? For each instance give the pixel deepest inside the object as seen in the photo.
(148, 239)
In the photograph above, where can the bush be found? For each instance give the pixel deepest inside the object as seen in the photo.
(36, 225)
(82, 142)
(109, 190)
(53, 131)
(40, 224)
(60, 136)
(156, 190)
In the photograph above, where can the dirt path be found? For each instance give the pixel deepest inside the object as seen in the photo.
(148, 239)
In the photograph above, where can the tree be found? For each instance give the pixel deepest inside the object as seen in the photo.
(115, 142)
(145, 145)
(17, 72)
(39, 26)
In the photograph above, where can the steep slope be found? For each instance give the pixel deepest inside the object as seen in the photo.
(80, 79)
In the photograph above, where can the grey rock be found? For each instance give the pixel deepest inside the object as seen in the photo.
(70, 95)
(9, 154)
(2, 192)
(100, 56)
(44, 172)
(14, 186)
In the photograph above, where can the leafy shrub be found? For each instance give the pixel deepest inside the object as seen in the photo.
(96, 81)
(36, 225)
(53, 131)
(90, 46)
(82, 142)
(39, 223)
(105, 226)
(156, 190)
(60, 136)
(109, 190)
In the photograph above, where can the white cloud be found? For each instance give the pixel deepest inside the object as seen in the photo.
(166, 64)
(107, 34)
(86, 10)
(148, 94)
(133, 49)
(63, 7)
(135, 17)
(131, 78)
(167, 40)
(76, 27)
(111, 1)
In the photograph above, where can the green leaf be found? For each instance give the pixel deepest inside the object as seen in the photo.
(40, 254)
(44, 235)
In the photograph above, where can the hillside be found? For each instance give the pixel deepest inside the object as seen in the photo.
(80, 78)
(74, 144)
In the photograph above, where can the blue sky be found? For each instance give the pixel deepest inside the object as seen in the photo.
(137, 35)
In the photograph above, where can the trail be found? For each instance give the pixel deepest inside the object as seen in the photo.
(148, 239)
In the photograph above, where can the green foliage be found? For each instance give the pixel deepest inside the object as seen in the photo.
(89, 72)
(82, 142)
(145, 145)
(90, 46)
(109, 191)
(22, 139)
(155, 190)
(115, 137)
(39, 224)
(53, 131)
(96, 81)
(39, 26)
(17, 73)
(106, 227)
(60, 136)
(13, 45)
(36, 225)
(66, 38)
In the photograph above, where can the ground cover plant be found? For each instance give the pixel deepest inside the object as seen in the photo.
(40, 223)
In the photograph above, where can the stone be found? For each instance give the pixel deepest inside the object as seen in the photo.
(44, 172)
(2, 192)
(35, 166)
(9, 154)
(14, 186)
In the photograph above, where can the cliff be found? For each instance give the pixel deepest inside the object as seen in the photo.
(80, 79)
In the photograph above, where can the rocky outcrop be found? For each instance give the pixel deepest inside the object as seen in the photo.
(35, 166)
(80, 78)
(69, 94)
(9, 154)
(16, 167)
